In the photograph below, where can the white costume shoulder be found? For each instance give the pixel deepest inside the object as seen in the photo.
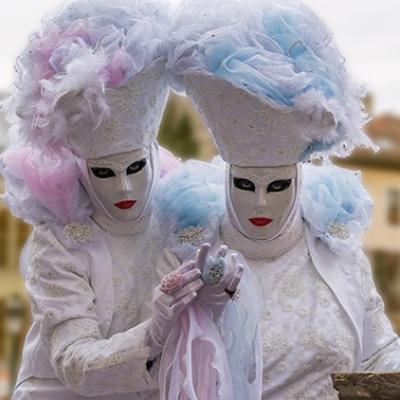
(70, 287)
(337, 209)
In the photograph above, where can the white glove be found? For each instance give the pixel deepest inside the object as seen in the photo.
(216, 296)
(167, 307)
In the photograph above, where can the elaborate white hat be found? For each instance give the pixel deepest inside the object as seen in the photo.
(132, 119)
(249, 131)
(93, 81)
(267, 79)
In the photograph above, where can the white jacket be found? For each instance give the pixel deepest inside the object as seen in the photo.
(69, 280)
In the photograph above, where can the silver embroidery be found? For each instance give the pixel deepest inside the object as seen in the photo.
(119, 166)
(193, 235)
(303, 338)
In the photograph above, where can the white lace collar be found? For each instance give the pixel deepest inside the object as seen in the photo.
(268, 249)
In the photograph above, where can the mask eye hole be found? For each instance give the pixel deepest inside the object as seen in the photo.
(244, 184)
(136, 167)
(102, 173)
(279, 186)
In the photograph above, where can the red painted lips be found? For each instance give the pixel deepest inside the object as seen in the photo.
(125, 204)
(260, 221)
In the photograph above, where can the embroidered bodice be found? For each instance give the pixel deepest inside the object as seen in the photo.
(134, 278)
(306, 335)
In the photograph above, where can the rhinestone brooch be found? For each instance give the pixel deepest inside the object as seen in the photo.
(213, 271)
(78, 232)
(339, 231)
(193, 235)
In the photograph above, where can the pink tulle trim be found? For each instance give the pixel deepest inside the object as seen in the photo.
(51, 176)
(194, 364)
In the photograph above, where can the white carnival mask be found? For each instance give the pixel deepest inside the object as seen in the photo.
(122, 183)
(262, 198)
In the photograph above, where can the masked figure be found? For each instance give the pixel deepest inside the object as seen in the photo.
(82, 169)
(273, 90)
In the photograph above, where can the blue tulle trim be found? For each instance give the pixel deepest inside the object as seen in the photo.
(279, 50)
(190, 203)
(336, 206)
(244, 65)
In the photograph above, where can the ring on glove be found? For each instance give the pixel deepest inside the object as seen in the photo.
(213, 271)
(171, 282)
(233, 294)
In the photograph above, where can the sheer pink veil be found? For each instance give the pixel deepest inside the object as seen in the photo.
(194, 363)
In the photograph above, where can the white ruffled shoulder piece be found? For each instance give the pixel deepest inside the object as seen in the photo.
(336, 206)
(190, 204)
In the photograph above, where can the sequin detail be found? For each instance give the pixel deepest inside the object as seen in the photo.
(78, 232)
(339, 231)
(171, 282)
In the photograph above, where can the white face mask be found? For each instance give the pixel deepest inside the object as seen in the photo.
(262, 198)
(122, 183)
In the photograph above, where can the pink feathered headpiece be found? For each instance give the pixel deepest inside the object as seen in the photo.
(86, 50)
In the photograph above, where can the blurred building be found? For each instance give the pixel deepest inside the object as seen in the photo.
(14, 305)
(381, 176)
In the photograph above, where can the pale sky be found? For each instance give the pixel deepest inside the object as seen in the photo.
(366, 31)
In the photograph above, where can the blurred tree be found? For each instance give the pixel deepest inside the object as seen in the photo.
(177, 133)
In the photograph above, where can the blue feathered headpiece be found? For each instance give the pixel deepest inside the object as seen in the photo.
(283, 55)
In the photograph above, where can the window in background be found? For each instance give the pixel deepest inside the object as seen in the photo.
(393, 207)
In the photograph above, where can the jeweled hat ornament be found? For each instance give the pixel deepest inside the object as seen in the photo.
(268, 81)
(92, 83)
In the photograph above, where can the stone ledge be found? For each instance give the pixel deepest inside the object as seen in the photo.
(368, 385)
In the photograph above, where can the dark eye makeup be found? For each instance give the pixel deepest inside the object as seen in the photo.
(102, 173)
(273, 187)
(244, 184)
(279, 186)
(136, 167)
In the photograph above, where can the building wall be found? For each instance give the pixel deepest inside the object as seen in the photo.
(382, 235)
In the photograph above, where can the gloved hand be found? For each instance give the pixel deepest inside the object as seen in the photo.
(167, 307)
(216, 296)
